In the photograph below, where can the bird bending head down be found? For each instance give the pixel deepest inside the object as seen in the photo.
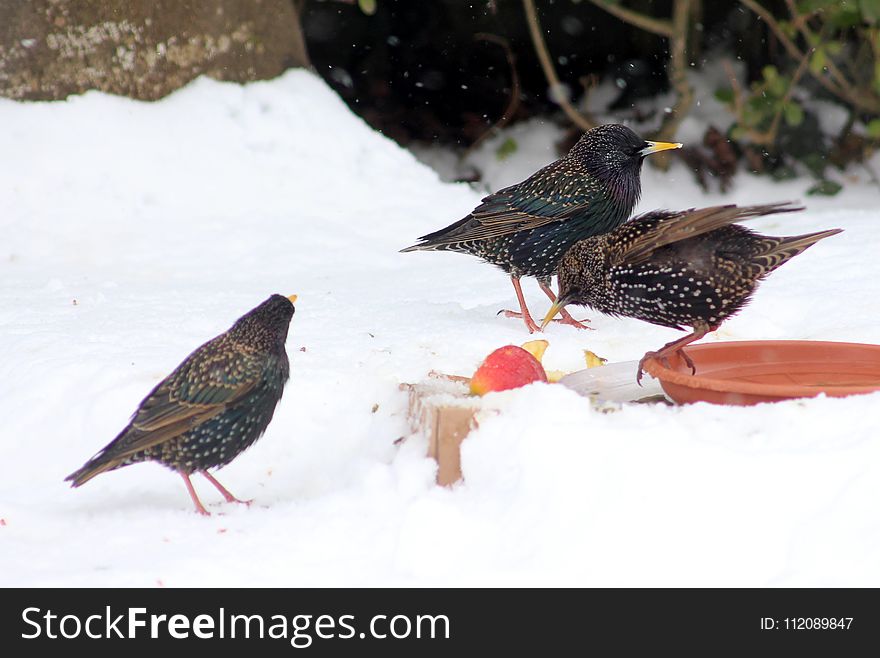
(687, 269)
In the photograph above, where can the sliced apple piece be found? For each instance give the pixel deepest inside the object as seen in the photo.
(508, 367)
(593, 360)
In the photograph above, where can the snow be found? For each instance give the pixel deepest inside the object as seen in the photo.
(133, 232)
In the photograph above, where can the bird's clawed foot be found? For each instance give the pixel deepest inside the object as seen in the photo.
(641, 368)
(224, 491)
(531, 325)
(663, 357)
(689, 361)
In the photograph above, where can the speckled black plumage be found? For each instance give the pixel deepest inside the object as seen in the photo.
(526, 228)
(692, 268)
(214, 405)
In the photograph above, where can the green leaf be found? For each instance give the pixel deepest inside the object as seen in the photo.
(874, 128)
(817, 61)
(783, 172)
(779, 87)
(825, 188)
(870, 10)
(770, 73)
(809, 6)
(752, 116)
(737, 133)
(834, 47)
(793, 113)
(367, 6)
(507, 148)
(845, 15)
(724, 95)
(788, 29)
(816, 163)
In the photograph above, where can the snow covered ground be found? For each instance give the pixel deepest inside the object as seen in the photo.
(133, 232)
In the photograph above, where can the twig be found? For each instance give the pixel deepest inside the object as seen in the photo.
(582, 122)
(801, 23)
(738, 108)
(513, 103)
(677, 72)
(656, 25)
(774, 125)
(762, 137)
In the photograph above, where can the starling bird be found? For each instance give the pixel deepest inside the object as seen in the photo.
(692, 268)
(214, 405)
(525, 228)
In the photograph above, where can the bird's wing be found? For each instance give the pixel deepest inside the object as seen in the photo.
(637, 239)
(203, 386)
(553, 194)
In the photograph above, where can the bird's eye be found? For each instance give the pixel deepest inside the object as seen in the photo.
(571, 294)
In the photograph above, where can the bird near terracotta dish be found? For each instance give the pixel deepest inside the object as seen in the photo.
(685, 269)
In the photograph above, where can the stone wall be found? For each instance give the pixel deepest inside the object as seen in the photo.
(144, 49)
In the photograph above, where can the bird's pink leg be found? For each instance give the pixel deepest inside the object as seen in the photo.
(192, 494)
(223, 490)
(524, 311)
(566, 316)
(675, 346)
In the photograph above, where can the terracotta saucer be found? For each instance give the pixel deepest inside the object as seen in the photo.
(749, 372)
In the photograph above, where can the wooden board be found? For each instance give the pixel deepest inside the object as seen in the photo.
(441, 409)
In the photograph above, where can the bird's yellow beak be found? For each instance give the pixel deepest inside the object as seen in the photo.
(557, 306)
(656, 147)
(292, 298)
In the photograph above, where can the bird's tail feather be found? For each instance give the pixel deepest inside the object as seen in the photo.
(445, 238)
(430, 246)
(95, 466)
(788, 248)
(418, 247)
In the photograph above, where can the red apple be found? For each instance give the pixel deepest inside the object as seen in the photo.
(505, 368)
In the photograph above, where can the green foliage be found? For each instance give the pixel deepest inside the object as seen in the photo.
(793, 113)
(841, 39)
(367, 6)
(825, 188)
(766, 99)
(783, 172)
(816, 163)
(870, 10)
(507, 148)
(724, 95)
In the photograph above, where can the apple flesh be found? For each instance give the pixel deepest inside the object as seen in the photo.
(505, 368)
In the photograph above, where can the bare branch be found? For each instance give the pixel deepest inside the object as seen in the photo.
(677, 72)
(582, 122)
(762, 137)
(774, 125)
(513, 103)
(802, 26)
(648, 23)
